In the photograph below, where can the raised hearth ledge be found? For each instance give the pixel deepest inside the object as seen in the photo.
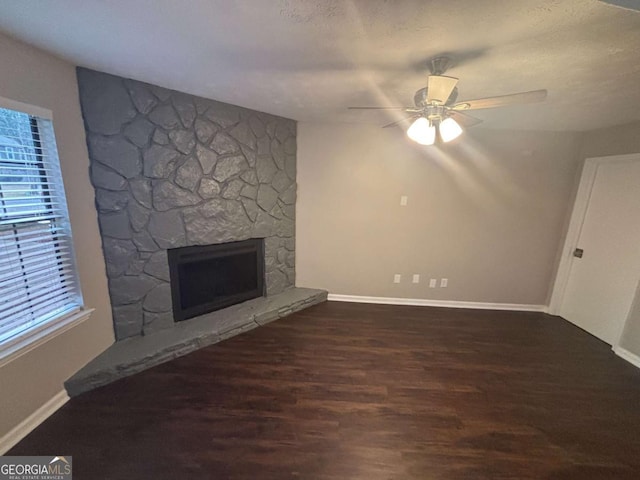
(133, 355)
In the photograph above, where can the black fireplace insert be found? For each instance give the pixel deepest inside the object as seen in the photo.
(211, 277)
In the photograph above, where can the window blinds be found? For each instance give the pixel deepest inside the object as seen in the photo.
(37, 273)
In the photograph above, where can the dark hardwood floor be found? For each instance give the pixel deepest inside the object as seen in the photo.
(348, 391)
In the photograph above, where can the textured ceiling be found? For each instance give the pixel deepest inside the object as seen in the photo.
(310, 59)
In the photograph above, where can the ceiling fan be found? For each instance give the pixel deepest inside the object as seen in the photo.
(437, 111)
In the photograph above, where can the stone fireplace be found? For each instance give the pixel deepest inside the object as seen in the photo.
(172, 170)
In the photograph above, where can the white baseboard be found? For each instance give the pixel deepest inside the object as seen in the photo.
(632, 358)
(421, 302)
(32, 421)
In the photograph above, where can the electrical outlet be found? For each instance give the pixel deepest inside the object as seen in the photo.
(403, 200)
(396, 278)
(432, 283)
(444, 282)
(416, 278)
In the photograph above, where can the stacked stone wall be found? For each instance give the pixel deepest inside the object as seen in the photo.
(172, 170)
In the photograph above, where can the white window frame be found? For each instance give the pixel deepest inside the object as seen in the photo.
(44, 332)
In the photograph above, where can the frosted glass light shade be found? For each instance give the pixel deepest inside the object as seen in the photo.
(449, 129)
(422, 132)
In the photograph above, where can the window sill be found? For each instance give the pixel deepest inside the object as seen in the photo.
(52, 329)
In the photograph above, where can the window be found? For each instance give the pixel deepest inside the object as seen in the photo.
(38, 284)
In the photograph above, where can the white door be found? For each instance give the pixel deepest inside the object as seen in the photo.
(601, 284)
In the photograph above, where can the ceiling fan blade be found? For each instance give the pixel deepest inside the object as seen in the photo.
(464, 119)
(410, 117)
(502, 101)
(380, 108)
(439, 88)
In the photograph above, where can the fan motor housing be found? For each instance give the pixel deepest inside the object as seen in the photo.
(420, 97)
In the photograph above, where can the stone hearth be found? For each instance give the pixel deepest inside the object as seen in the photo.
(135, 354)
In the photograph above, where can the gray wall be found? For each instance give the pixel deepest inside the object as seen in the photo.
(172, 170)
(617, 140)
(488, 213)
(28, 382)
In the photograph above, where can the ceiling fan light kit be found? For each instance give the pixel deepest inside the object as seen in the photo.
(422, 132)
(436, 110)
(449, 129)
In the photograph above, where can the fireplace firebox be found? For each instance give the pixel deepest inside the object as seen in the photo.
(211, 277)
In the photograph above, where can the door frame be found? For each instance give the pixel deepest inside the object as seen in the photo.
(578, 215)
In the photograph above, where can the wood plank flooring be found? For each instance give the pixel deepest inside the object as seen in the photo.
(351, 391)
